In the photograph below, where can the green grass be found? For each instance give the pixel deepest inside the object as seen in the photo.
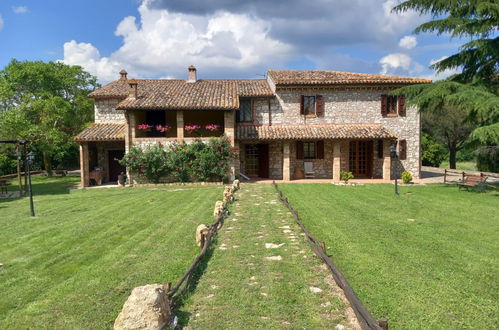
(463, 166)
(439, 271)
(241, 289)
(76, 262)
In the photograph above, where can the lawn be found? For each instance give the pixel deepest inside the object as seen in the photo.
(462, 166)
(428, 258)
(76, 262)
(249, 285)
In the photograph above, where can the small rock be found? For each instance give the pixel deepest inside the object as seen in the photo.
(274, 258)
(284, 227)
(264, 294)
(210, 296)
(411, 220)
(340, 326)
(214, 287)
(315, 289)
(273, 246)
(326, 304)
(286, 231)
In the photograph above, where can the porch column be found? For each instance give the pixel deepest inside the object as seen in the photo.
(229, 126)
(129, 136)
(286, 163)
(387, 160)
(180, 125)
(336, 161)
(84, 166)
(230, 134)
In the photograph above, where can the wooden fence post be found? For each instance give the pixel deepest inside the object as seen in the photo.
(463, 176)
(323, 246)
(383, 323)
(445, 175)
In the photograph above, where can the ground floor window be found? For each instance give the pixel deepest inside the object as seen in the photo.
(309, 150)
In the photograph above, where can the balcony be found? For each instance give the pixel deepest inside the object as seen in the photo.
(173, 125)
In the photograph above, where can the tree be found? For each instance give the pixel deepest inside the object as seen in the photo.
(473, 93)
(475, 19)
(45, 103)
(450, 127)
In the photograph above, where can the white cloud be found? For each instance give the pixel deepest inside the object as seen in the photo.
(442, 75)
(165, 44)
(408, 42)
(1, 23)
(400, 64)
(87, 56)
(20, 9)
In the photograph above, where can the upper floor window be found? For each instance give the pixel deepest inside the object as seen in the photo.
(393, 105)
(309, 105)
(312, 105)
(310, 149)
(245, 112)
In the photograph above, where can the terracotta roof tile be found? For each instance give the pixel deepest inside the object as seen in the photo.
(220, 94)
(102, 132)
(323, 77)
(312, 132)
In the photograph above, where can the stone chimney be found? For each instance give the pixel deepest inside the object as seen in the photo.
(123, 74)
(133, 89)
(192, 74)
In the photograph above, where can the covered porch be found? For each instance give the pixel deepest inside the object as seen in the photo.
(101, 146)
(316, 152)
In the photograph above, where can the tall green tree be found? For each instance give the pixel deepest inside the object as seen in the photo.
(473, 93)
(45, 103)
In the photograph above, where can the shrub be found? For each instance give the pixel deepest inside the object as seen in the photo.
(487, 159)
(151, 163)
(197, 161)
(212, 159)
(433, 153)
(345, 176)
(406, 177)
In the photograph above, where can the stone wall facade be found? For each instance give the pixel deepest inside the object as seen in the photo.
(346, 106)
(105, 111)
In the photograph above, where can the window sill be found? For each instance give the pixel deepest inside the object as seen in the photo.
(310, 116)
(391, 115)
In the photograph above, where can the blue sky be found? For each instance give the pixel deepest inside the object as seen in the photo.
(222, 38)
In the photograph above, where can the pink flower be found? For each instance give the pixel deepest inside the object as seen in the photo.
(144, 127)
(212, 127)
(191, 128)
(163, 129)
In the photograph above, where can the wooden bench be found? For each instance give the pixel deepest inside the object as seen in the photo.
(472, 181)
(4, 186)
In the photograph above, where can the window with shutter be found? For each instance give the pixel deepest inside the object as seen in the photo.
(299, 150)
(401, 100)
(308, 105)
(309, 150)
(302, 106)
(380, 148)
(319, 100)
(320, 149)
(402, 149)
(383, 104)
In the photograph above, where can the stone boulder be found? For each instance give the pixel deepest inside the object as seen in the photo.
(146, 308)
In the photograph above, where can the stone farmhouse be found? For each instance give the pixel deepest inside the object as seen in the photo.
(326, 121)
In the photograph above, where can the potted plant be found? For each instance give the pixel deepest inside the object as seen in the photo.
(212, 127)
(162, 128)
(406, 177)
(144, 127)
(345, 176)
(191, 128)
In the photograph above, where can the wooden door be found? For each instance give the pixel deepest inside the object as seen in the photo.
(251, 162)
(360, 158)
(115, 168)
(263, 160)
